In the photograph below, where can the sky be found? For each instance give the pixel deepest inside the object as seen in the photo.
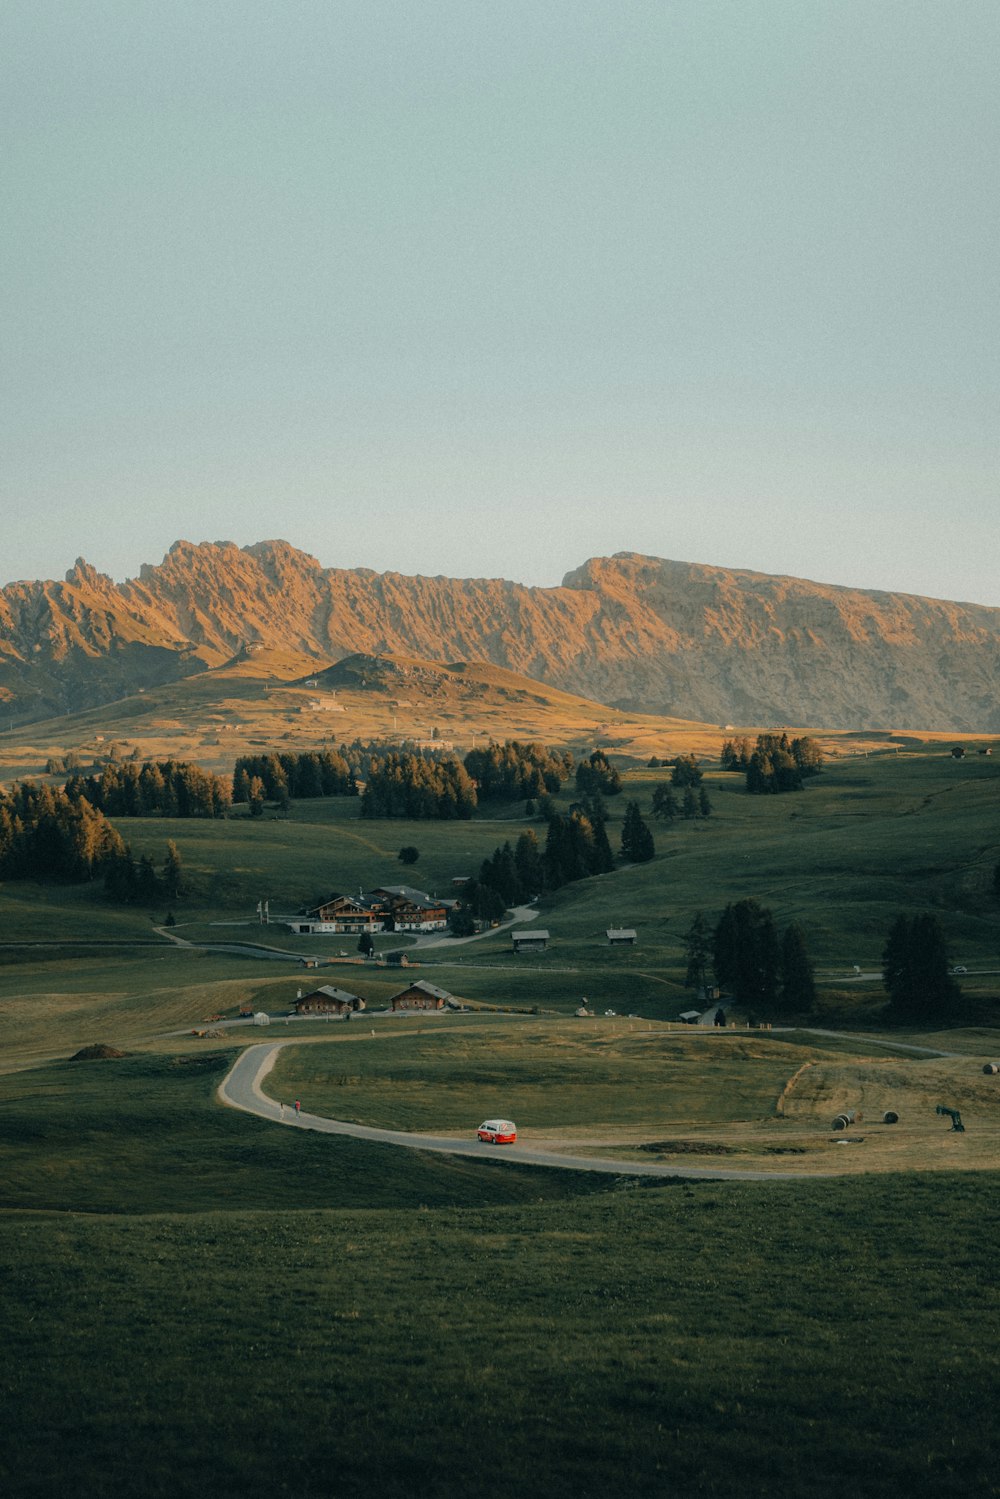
(452, 287)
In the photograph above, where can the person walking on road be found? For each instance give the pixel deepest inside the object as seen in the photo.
(298, 1107)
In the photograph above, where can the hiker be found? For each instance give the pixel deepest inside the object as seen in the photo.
(298, 1107)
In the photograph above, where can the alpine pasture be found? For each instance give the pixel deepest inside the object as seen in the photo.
(198, 1300)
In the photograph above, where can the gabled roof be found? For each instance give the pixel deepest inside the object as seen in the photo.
(358, 902)
(620, 931)
(426, 988)
(408, 893)
(534, 934)
(329, 992)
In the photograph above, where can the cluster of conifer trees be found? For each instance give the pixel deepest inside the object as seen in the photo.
(173, 788)
(770, 972)
(48, 835)
(692, 804)
(596, 776)
(517, 772)
(407, 785)
(509, 877)
(761, 970)
(915, 969)
(577, 844)
(281, 776)
(775, 764)
(137, 882)
(576, 847)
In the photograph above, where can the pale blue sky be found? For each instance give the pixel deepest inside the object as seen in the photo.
(443, 286)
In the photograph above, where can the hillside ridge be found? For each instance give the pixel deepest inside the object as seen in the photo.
(644, 633)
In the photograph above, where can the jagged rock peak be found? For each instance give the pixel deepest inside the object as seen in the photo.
(83, 575)
(686, 639)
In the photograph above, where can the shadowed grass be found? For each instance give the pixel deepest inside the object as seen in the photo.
(708, 1339)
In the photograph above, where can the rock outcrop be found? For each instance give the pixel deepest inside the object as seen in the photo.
(694, 641)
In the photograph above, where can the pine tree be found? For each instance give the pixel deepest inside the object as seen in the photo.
(915, 968)
(796, 985)
(697, 950)
(745, 953)
(255, 796)
(637, 840)
(528, 859)
(665, 803)
(172, 870)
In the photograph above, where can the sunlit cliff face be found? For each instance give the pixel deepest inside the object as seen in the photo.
(693, 641)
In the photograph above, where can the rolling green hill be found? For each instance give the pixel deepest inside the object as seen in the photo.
(199, 1300)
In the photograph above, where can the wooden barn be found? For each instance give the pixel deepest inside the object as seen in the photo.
(328, 1001)
(420, 996)
(621, 936)
(532, 941)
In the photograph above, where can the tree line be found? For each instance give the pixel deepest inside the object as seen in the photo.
(171, 788)
(50, 836)
(517, 772)
(407, 785)
(576, 847)
(278, 777)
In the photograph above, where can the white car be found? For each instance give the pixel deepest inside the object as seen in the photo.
(959, 968)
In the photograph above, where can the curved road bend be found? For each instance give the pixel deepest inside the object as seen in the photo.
(241, 1089)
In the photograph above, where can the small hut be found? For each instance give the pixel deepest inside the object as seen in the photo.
(621, 936)
(529, 941)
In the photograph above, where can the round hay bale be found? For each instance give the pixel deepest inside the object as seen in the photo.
(99, 1052)
(889, 1117)
(992, 1067)
(843, 1121)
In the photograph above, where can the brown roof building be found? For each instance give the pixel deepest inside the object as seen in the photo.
(328, 1001)
(420, 996)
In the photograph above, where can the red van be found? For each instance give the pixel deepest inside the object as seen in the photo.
(498, 1132)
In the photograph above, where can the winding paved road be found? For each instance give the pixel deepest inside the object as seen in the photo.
(242, 1088)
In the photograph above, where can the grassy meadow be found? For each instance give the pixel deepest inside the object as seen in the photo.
(873, 835)
(716, 1339)
(633, 1091)
(198, 1301)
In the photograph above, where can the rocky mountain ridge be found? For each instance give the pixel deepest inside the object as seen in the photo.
(686, 639)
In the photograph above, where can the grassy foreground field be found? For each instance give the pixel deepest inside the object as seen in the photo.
(199, 1301)
(725, 1340)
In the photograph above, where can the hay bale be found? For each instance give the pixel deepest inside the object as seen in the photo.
(889, 1117)
(991, 1067)
(844, 1121)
